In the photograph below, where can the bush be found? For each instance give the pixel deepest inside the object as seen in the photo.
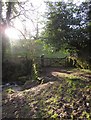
(11, 71)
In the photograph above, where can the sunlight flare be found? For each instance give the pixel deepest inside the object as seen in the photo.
(12, 33)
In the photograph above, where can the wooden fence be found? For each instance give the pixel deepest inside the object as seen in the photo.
(52, 62)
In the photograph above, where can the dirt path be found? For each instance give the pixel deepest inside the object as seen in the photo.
(66, 72)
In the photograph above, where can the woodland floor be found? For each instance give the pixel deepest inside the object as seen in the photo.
(64, 94)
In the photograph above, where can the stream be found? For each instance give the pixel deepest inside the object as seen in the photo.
(13, 86)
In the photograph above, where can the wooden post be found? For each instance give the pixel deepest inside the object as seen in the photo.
(42, 60)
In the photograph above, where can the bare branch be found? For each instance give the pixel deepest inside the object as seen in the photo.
(15, 16)
(19, 31)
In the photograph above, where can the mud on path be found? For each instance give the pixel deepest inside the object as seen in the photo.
(65, 95)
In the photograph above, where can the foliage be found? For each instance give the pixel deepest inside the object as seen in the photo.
(10, 91)
(78, 62)
(34, 71)
(67, 26)
(13, 70)
(36, 48)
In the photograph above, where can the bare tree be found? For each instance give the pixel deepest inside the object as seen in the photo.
(11, 10)
(23, 11)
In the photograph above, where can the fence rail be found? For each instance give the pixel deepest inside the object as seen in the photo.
(44, 62)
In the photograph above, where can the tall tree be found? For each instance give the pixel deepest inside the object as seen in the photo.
(5, 23)
(67, 24)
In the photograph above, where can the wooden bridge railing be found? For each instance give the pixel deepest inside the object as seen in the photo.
(53, 62)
